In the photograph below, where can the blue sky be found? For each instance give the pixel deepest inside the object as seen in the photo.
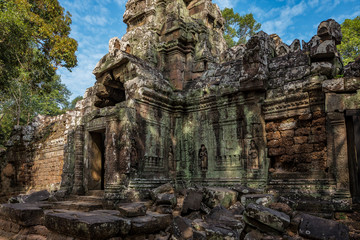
(95, 22)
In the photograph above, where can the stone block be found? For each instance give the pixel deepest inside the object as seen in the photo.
(24, 214)
(318, 228)
(330, 29)
(221, 217)
(276, 152)
(216, 195)
(165, 188)
(37, 196)
(301, 139)
(260, 199)
(241, 190)
(150, 223)
(323, 50)
(264, 218)
(166, 199)
(182, 228)
(273, 135)
(322, 68)
(287, 133)
(192, 201)
(287, 125)
(164, 209)
(303, 131)
(89, 225)
(334, 85)
(132, 209)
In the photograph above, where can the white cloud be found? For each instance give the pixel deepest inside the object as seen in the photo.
(285, 14)
(121, 3)
(95, 20)
(225, 3)
(313, 3)
(342, 17)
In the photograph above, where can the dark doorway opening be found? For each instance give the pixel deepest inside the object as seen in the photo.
(353, 139)
(97, 160)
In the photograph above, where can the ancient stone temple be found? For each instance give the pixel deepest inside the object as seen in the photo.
(172, 103)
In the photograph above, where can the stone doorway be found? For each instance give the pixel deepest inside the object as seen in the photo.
(353, 135)
(96, 160)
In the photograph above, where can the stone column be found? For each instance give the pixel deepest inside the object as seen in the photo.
(78, 187)
(117, 158)
(338, 159)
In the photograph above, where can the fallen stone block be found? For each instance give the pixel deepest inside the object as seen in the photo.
(199, 235)
(166, 188)
(259, 199)
(318, 228)
(166, 199)
(132, 209)
(37, 196)
(243, 190)
(237, 208)
(266, 219)
(87, 225)
(192, 201)
(164, 209)
(181, 228)
(150, 223)
(216, 195)
(221, 217)
(281, 207)
(24, 214)
(215, 232)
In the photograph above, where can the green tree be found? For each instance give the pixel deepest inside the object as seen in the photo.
(74, 101)
(350, 45)
(238, 28)
(34, 42)
(33, 32)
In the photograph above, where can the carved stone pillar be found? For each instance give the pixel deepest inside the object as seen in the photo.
(117, 158)
(78, 187)
(338, 158)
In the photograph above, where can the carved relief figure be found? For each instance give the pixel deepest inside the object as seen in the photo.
(133, 155)
(253, 156)
(203, 158)
(171, 160)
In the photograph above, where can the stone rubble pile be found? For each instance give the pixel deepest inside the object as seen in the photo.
(195, 213)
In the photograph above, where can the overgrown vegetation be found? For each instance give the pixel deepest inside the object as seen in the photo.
(350, 45)
(34, 42)
(238, 28)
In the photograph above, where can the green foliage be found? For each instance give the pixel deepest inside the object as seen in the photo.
(34, 42)
(238, 29)
(74, 101)
(350, 45)
(34, 32)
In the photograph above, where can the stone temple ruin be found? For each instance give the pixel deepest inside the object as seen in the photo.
(172, 103)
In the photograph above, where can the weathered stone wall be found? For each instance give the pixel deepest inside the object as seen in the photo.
(37, 154)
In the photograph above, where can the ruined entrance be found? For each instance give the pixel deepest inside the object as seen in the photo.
(96, 160)
(353, 134)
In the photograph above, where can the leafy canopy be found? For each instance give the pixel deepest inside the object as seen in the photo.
(238, 28)
(350, 45)
(34, 42)
(34, 32)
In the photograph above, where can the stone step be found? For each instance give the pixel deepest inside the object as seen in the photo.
(96, 193)
(24, 214)
(84, 206)
(86, 225)
(104, 224)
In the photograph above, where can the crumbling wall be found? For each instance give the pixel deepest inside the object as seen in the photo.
(294, 107)
(38, 155)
